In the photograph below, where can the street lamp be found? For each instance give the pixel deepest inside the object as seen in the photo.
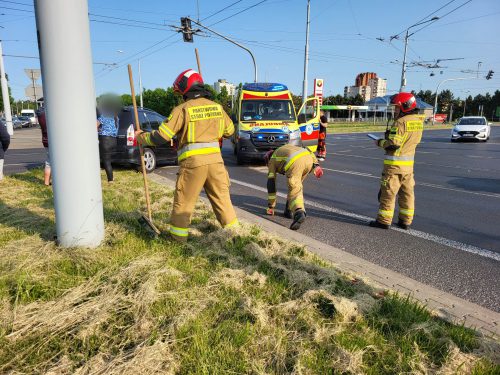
(434, 109)
(407, 36)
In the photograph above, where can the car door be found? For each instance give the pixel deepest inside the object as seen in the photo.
(165, 152)
(309, 124)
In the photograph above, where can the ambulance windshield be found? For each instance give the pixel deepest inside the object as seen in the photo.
(267, 110)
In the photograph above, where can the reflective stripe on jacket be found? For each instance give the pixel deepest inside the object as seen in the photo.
(401, 143)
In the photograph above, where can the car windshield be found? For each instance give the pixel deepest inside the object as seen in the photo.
(267, 109)
(23, 118)
(472, 121)
(29, 114)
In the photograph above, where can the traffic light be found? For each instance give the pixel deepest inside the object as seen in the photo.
(490, 74)
(187, 32)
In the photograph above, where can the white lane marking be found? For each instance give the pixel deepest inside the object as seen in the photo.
(343, 150)
(351, 172)
(492, 195)
(424, 163)
(428, 152)
(24, 164)
(412, 232)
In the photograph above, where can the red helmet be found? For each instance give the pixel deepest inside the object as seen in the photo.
(405, 101)
(186, 80)
(268, 156)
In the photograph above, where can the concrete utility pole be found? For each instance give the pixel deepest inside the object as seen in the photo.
(140, 85)
(5, 95)
(306, 53)
(66, 62)
(407, 36)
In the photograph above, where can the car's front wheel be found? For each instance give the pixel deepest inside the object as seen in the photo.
(149, 160)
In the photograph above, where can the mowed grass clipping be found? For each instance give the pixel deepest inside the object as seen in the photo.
(227, 302)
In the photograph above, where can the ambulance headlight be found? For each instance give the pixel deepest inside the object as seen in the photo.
(295, 134)
(244, 135)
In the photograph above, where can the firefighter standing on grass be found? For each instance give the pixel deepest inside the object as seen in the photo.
(199, 123)
(295, 163)
(397, 177)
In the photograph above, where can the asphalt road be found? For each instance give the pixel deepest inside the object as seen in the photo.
(455, 244)
(458, 199)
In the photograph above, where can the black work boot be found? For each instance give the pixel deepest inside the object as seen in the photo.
(378, 224)
(403, 225)
(287, 213)
(298, 218)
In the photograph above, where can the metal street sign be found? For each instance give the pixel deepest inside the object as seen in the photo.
(33, 93)
(33, 73)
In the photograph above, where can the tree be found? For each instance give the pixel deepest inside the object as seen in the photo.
(225, 100)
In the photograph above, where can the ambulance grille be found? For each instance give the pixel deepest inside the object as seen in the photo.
(270, 140)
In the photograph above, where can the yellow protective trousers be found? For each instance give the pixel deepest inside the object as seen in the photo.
(215, 180)
(296, 175)
(400, 184)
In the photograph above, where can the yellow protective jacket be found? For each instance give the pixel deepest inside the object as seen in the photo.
(281, 162)
(401, 142)
(199, 124)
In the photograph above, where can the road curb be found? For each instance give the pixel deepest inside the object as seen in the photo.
(445, 305)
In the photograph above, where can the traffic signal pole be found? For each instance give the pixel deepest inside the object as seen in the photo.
(66, 62)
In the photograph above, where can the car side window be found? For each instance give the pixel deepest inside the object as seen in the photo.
(143, 119)
(155, 120)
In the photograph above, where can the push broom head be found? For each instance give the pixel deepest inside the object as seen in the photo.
(149, 226)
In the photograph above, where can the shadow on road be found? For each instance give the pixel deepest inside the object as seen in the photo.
(486, 185)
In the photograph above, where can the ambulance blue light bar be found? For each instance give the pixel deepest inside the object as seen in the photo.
(264, 87)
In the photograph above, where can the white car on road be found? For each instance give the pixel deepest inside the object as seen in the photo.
(471, 127)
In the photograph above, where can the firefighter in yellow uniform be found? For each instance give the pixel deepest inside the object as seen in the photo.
(199, 123)
(295, 163)
(397, 177)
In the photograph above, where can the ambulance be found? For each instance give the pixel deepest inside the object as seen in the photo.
(265, 119)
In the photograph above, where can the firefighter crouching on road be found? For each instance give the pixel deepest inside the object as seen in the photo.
(295, 163)
(397, 177)
(198, 124)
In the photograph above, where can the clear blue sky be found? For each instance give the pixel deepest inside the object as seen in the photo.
(343, 42)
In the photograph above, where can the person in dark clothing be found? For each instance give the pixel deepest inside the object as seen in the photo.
(322, 137)
(107, 129)
(5, 142)
(45, 141)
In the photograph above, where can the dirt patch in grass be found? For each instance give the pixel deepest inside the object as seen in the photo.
(228, 301)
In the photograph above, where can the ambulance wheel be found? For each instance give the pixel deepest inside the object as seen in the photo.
(149, 160)
(240, 160)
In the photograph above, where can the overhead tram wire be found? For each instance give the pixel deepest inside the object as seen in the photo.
(444, 15)
(241, 11)
(128, 25)
(16, 2)
(430, 14)
(128, 19)
(221, 10)
(127, 59)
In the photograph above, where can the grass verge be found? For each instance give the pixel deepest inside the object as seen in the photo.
(239, 301)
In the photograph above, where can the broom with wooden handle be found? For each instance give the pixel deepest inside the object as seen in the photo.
(145, 220)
